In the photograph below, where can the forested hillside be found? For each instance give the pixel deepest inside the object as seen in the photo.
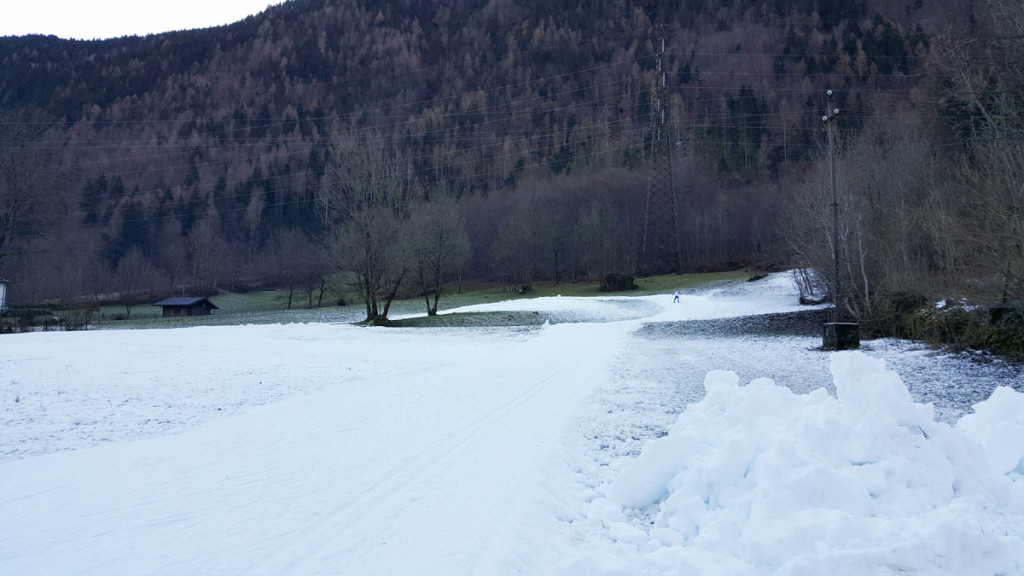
(211, 159)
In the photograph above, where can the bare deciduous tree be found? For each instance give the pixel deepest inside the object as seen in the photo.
(515, 253)
(885, 197)
(134, 277)
(998, 209)
(33, 178)
(366, 192)
(173, 258)
(440, 247)
(983, 79)
(299, 265)
(207, 252)
(597, 232)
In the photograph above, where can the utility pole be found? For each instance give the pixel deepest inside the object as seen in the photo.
(838, 335)
(660, 244)
(837, 293)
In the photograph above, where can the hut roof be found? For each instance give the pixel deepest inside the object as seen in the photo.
(185, 302)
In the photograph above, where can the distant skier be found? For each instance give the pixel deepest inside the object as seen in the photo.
(675, 296)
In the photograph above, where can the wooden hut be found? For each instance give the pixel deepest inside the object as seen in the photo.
(186, 307)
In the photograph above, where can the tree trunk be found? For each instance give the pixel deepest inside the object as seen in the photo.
(391, 296)
(432, 309)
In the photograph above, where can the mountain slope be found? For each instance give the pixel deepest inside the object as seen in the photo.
(234, 125)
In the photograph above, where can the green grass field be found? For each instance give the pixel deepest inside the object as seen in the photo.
(269, 307)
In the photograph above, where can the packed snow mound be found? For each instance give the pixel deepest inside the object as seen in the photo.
(566, 309)
(774, 284)
(998, 425)
(774, 293)
(758, 480)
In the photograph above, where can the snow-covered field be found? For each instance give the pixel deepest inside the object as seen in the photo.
(609, 442)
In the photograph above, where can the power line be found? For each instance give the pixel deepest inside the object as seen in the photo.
(477, 137)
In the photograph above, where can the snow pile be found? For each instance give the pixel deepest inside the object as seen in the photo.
(758, 480)
(573, 308)
(998, 425)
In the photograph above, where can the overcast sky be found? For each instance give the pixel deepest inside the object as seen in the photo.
(92, 19)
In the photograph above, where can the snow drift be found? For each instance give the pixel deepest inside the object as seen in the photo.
(758, 480)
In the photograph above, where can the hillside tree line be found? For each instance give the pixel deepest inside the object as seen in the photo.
(414, 142)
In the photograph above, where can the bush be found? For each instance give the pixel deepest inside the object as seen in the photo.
(894, 315)
(615, 282)
(998, 328)
(955, 325)
(1005, 330)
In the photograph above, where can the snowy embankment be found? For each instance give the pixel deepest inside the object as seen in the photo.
(758, 480)
(612, 443)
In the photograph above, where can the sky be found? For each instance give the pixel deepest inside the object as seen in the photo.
(99, 19)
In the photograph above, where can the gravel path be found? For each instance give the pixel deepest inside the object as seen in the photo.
(663, 367)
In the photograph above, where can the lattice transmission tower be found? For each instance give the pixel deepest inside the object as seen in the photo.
(660, 245)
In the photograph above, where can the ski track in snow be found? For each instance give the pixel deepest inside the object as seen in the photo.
(326, 449)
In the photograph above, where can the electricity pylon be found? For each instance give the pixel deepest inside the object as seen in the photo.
(660, 246)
